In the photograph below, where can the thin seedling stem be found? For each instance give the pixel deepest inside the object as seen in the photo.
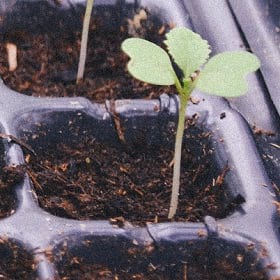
(83, 51)
(184, 95)
(177, 157)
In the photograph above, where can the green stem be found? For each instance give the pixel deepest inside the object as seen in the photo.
(184, 94)
(83, 51)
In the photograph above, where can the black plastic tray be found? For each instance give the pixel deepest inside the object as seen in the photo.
(253, 227)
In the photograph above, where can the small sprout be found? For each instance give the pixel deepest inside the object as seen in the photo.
(222, 75)
(83, 50)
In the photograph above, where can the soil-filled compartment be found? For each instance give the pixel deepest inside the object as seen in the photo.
(15, 261)
(82, 168)
(48, 54)
(110, 258)
(267, 144)
(10, 176)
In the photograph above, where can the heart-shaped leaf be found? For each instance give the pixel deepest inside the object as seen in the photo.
(149, 63)
(225, 73)
(188, 49)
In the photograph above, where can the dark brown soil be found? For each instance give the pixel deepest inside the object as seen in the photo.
(223, 271)
(81, 176)
(267, 143)
(176, 262)
(9, 177)
(16, 263)
(47, 63)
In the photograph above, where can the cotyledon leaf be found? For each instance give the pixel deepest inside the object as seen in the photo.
(149, 62)
(188, 50)
(225, 73)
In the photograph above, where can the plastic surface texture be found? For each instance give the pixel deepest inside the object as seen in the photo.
(227, 26)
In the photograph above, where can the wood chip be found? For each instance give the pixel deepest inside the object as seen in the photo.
(161, 30)
(12, 56)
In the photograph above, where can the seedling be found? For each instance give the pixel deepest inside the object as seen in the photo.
(83, 50)
(223, 75)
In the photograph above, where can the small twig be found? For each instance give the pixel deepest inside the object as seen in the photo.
(56, 176)
(220, 179)
(17, 141)
(49, 172)
(117, 121)
(275, 145)
(34, 180)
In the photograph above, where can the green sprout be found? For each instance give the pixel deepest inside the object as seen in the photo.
(83, 50)
(223, 75)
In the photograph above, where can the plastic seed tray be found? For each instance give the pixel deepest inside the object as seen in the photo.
(247, 239)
